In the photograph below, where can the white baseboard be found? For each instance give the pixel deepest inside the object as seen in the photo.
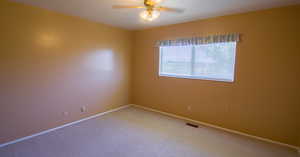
(218, 127)
(62, 126)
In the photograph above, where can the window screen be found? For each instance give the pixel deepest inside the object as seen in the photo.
(211, 61)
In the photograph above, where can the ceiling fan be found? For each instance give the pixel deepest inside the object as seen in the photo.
(152, 11)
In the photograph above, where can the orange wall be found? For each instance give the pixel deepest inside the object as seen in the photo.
(51, 63)
(263, 100)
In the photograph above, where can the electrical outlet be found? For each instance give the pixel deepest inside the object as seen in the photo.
(65, 113)
(189, 108)
(83, 109)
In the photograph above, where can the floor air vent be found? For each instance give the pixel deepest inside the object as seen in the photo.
(192, 125)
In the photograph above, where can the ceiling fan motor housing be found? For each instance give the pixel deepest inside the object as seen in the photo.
(149, 4)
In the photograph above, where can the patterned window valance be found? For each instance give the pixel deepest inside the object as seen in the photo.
(233, 37)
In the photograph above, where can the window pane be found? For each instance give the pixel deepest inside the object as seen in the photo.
(215, 61)
(176, 60)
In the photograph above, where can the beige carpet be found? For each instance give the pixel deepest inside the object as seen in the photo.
(133, 132)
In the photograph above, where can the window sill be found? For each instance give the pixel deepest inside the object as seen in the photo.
(196, 77)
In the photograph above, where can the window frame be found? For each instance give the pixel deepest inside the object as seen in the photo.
(192, 69)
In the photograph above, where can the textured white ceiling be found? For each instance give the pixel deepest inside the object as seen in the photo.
(101, 10)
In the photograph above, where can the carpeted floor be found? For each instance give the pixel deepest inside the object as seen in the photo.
(133, 132)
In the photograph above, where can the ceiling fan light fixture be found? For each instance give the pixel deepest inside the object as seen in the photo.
(149, 15)
(152, 9)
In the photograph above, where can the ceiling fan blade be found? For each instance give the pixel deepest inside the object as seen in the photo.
(126, 6)
(177, 10)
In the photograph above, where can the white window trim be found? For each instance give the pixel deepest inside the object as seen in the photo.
(195, 77)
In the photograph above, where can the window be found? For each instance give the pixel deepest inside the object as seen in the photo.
(213, 61)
